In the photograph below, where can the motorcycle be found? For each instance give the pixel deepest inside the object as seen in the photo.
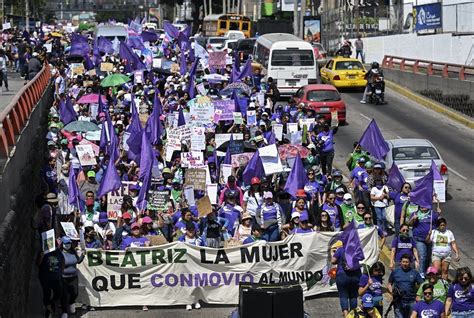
(377, 90)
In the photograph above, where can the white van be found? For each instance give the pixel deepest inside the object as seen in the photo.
(111, 32)
(235, 35)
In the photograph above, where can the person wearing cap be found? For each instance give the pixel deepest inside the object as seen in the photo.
(34, 66)
(103, 225)
(379, 195)
(148, 227)
(231, 185)
(372, 283)
(253, 198)
(378, 172)
(134, 240)
(244, 229)
(339, 195)
(70, 285)
(312, 187)
(90, 213)
(404, 280)
(358, 182)
(304, 226)
(90, 184)
(367, 308)
(287, 229)
(335, 182)
(256, 234)
(428, 306)
(440, 286)
(270, 218)
(348, 209)
(49, 175)
(355, 155)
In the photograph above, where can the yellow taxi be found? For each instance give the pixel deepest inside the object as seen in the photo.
(344, 72)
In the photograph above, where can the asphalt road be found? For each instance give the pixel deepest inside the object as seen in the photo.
(403, 118)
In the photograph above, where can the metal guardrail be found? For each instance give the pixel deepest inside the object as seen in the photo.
(14, 117)
(447, 70)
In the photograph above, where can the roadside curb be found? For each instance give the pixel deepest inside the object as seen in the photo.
(428, 103)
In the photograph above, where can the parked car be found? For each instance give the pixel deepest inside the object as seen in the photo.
(323, 99)
(320, 54)
(235, 35)
(344, 73)
(215, 43)
(245, 48)
(230, 45)
(413, 158)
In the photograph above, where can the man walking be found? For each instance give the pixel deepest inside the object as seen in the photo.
(359, 45)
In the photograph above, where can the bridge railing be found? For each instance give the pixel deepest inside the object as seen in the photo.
(15, 116)
(447, 70)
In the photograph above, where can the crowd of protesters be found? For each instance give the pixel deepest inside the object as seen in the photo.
(135, 119)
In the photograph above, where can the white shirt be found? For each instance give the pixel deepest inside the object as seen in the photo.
(378, 192)
(253, 202)
(442, 242)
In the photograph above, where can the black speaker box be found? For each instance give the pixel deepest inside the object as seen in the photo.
(270, 301)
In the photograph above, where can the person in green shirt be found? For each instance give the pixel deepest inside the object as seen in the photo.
(348, 209)
(359, 216)
(355, 155)
(440, 286)
(408, 209)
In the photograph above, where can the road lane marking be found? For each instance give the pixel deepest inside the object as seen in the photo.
(369, 119)
(398, 136)
(457, 173)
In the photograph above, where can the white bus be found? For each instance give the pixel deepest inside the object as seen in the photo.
(287, 59)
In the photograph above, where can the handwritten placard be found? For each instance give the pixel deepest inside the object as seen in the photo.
(158, 200)
(204, 206)
(106, 67)
(196, 178)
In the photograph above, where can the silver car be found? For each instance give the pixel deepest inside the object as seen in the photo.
(413, 158)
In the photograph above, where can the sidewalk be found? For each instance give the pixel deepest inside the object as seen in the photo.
(15, 83)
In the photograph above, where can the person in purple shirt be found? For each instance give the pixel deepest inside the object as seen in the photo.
(358, 179)
(460, 301)
(373, 284)
(134, 240)
(428, 307)
(403, 243)
(399, 198)
(326, 143)
(423, 222)
(304, 226)
(334, 211)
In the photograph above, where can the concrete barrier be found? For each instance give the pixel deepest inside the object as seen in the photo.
(20, 185)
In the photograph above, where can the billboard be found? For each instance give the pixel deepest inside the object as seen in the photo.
(427, 16)
(312, 28)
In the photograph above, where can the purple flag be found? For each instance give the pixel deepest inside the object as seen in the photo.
(373, 141)
(395, 178)
(105, 45)
(254, 169)
(271, 138)
(79, 45)
(192, 78)
(96, 53)
(148, 36)
(104, 140)
(66, 111)
(135, 42)
(183, 65)
(134, 142)
(74, 195)
(113, 150)
(351, 243)
(110, 181)
(236, 99)
(146, 157)
(436, 174)
(238, 75)
(423, 192)
(297, 178)
(181, 120)
(153, 125)
(133, 60)
(89, 65)
(170, 29)
(228, 156)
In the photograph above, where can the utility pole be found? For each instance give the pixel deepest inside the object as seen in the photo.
(302, 14)
(295, 18)
(205, 8)
(224, 2)
(238, 6)
(357, 15)
(27, 14)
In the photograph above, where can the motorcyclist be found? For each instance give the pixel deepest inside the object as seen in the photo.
(345, 50)
(370, 76)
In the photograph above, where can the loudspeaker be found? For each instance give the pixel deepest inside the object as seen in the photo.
(270, 301)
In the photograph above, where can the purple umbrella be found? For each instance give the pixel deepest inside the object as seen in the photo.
(91, 99)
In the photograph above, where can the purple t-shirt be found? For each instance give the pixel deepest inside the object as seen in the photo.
(402, 246)
(360, 177)
(300, 230)
(432, 310)
(333, 214)
(463, 300)
(422, 225)
(131, 241)
(375, 289)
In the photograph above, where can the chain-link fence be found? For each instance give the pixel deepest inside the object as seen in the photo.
(347, 22)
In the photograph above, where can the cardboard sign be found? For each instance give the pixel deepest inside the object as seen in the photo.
(270, 159)
(189, 195)
(158, 200)
(86, 155)
(91, 72)
(226, 172)
(211, 190)
(204, 206)
(95, 147)
(217, 59)
(156, 63)
(306, 121)
(201, 110)
(291, 127)
(196, 178)
(334, 119)
(237, 118)
(241, 159)
(115, 199)
(48, 241)
(156, 240)
(70, 230)
(78, 69)
(106, 67)
(236, 147)
(174, 68)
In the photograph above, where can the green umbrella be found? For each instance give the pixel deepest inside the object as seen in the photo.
(81, 125)
(115, 80)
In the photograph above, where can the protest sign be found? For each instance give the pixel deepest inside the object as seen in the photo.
(223, 109)
(226, 171)
(156, 240)
(306, 121)
(211, 191)
(106, 67)
(175, 273)
(251, 117)
(91, 72)
(138, 77)
(261, 99)
(48, 241)
(241, 159)
(192, 158)
(48, 47)
(189, 195)
(270, 159)
(217, 59)
(291, 127)
(156, 63)
(201, 110)
(204, 206)
(278, 131)
(174, 68)
(439, 187)
(196, 178)
(201, 89)
(77, 69)
(95, 148)
(125, 146)
(237, 118)
(158, 200)
(6, 25)
(221, 138)
(70, 230)
(86, 155)
(115, 199)
(334, 119)
(236, 146)
(198, 138)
